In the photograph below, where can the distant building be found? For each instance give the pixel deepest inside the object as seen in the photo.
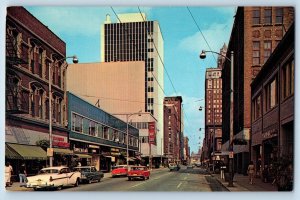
(273, 106)
(173, 132)
(255, 34)
(134, 38)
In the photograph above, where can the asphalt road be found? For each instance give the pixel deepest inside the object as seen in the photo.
(195, 179)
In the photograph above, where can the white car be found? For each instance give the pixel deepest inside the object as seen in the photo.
(53, 177)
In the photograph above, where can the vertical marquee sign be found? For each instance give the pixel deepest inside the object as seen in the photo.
(151, 129)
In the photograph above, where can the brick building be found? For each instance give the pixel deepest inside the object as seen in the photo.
(272, 96)
(31, 48)
(256, 32)
(173, 128)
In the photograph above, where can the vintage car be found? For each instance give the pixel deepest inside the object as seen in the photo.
(173, 166)
(53, 177)
(138, 172)
(119, 170)
(89, 174)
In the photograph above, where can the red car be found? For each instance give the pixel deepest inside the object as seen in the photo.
(138, 172)
(119, 170)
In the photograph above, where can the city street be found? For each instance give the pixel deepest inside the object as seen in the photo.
(195, 179)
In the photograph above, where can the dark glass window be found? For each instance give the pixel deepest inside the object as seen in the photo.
(256, 16)
(256, 53)
(279, 15)
(268, 16)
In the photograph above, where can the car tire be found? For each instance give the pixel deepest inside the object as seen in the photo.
(129, 178)
(144, 178)
(99, 180)
(59, 187)
(76, 183)
(89, 181)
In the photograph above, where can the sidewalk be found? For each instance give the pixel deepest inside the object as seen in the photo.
(241, 184)
(16, 185)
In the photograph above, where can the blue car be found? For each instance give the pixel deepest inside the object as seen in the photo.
(89, 174)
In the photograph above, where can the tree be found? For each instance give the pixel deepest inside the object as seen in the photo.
(43, 143)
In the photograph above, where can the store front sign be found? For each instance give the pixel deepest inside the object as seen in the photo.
(60, 142)
(151, 129)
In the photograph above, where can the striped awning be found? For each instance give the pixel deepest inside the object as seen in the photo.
(11, 154)
(63, 151)
(29, 152)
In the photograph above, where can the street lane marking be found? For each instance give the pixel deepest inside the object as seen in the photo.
(179, 185)
(138, 184)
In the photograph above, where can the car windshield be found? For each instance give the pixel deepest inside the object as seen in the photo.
(48, 171)
(82, 169)
(118, 167)
(137, 168)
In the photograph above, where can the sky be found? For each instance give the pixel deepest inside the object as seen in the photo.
(79, 27)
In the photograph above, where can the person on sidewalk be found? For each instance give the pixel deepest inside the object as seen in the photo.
(8, 173)
(251, 172)
(22, 175)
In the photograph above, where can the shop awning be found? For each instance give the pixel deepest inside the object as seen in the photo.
(11, 154)
(63, 151)
(29, 152)
(83, 156)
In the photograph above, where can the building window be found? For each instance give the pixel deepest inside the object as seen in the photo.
(256, 53)
(41, 104)
(267, 50)
(288, 78)
(268, 16)
(40, 57)
(32, 63)
(256, 108)
(279, 15)
(92, 128)
(256, 16)
(150, 89)
(271, 95)
(78, 123)
(150, 101)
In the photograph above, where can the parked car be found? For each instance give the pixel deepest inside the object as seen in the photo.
(174, 166)
(119, 170)
(138, 172)
(53, 177)
(89, 174)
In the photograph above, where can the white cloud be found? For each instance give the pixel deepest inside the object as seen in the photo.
(216, 35)
(79, 20)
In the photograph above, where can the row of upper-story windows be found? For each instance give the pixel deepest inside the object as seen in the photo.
(35, 99)
(256, 51)
(263, 102)
(93, 128)
(264, 15)
(38, 62)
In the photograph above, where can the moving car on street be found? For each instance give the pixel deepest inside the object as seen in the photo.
(53, 177)
(174, 166)
(119, 170)
(89, 174)
(138, 172)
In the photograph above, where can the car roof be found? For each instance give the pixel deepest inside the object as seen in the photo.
(57, 167)
(84, 167)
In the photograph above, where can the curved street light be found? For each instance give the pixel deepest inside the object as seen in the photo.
(231, 60)
(75, 61)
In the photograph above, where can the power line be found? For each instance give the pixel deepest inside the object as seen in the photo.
(201, 32)
(158, 52)
(135, 46)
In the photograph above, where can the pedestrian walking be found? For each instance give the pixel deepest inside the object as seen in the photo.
(251, 172)
(8, 173)
(22, 175)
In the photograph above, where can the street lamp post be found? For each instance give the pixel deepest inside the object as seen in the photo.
(214, 136)
(75, 60)
(231, 60)
(127, 132)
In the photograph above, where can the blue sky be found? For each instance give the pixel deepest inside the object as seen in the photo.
(79, 27)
